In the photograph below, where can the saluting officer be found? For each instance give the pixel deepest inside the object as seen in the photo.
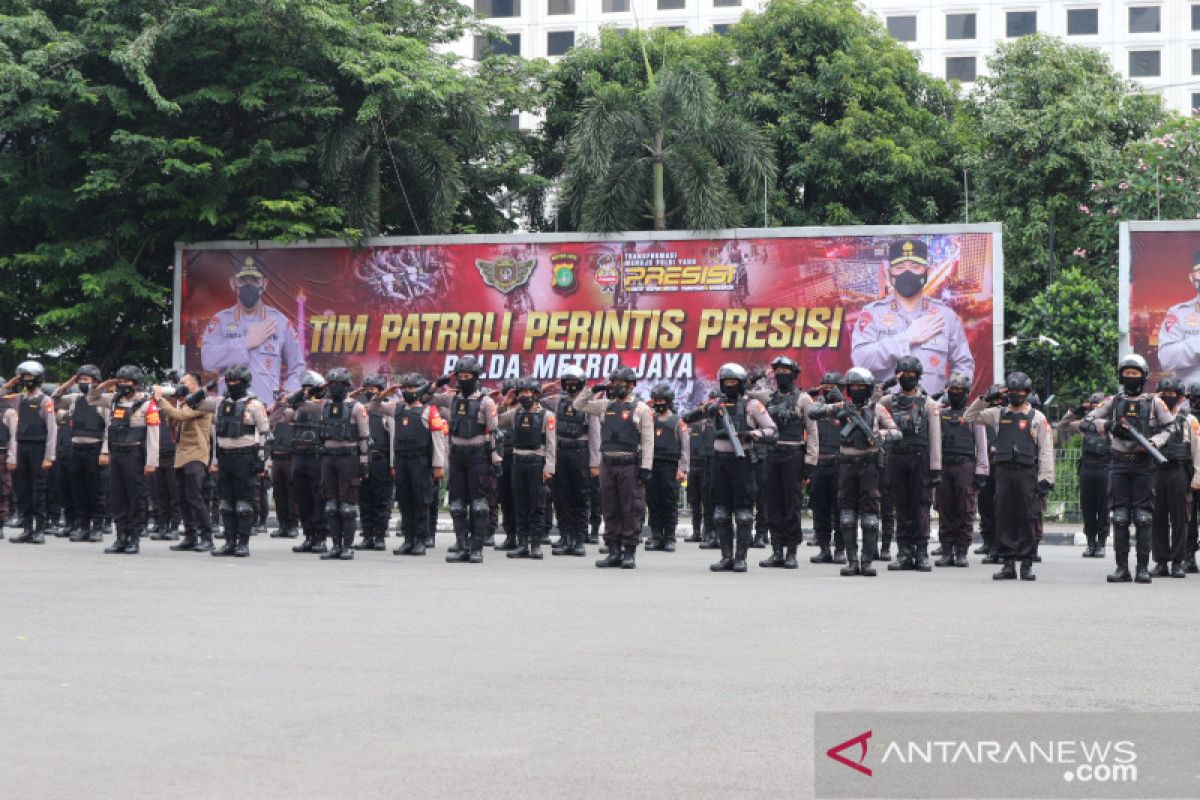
(193, 456)
(671, 461)
(283, 448)
(375, 494)
(345, 450)
(1095, 452)
(304, 414)
(914, 464)
(627, 457)
(419, 450)
(85, 425)
(32, 451)
(701, 436)
(964, 472)
(500, 495)
(864, 427)
(577, 452)
(823, 478)
(133, 450)
(1131, 477)
(533, 440)
(1023, 463)
(1173, 482)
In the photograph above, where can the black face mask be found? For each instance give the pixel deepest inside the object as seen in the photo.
(859, 394)
(732, 392)
(1171, 400)
(84, 387)
(1017, 399)
(526, 402)
(909, 382)
(618, 392)
(957, 399)
(662, 408)
(908, 284)
(235, 390)
(467, 388)
(249, 295)
(338, 391)
(29, 384)
(123, 389)
(572, 387)
(409, 397)
(316, 392)
(785, 381)
(1132, 384)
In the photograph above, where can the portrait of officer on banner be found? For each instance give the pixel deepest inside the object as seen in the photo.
(254, 333)
(1179, 334)
(908, 322)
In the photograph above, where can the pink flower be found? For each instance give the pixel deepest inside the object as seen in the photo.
(1079, 252)
(1085, 210)
(1123, 185)
(1114, 211)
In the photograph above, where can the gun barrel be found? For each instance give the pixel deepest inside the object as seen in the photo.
(1145, 444)
(727, 425)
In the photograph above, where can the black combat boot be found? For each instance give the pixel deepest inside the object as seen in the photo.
(904, 559)
(118, 545)
(921, 559)
(789, 560)
(1177, 570)
(1121, 573)
(760, 539)
(579, 548)
(334, 521)
(1160, 571)
(960, 556)
(1007, 573)
(947, 556)
(1189, 565)
(726, 562)
(823, 556)
(773, 560)
(132, 543)
(983, 549)
(205, 543)
(188, 542)
(613, 559)
(406, 547)
(629, 559)
(242, 549)
(851, 567)
(1027, 570)
(535, 548)
(82, 531)
(839, 555)
(522, 548)
(885, 548)
(938, 551)
(460, 551)
(864, 568)
(418, 545)
(1142, 575)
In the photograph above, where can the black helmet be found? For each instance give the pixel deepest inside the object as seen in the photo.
(131, 373)
(859, 376)
(1170, 385)
(529, 384)
(1133, 361)
(239, 372)
(833, 378)
(570, 373)
(339, 375)
(312, 380)
(90, 370)
(958, 380)
(623, 373)
(469, 364)
(1019, 382)
(784, 361)
(377, 381)
(662, 391)
(413, 379)
(507, 385)
(732, 372)
(33, 369)
(909, 364)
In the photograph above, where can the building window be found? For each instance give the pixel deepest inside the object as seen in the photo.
(498, 8)
(671, 5)
(1196, 61)
(1020, 23)
(557, 7)
(1083, 21)
(726, 3)
(614, 6)
(1145, 19)
(509, 122)
(903, 29)
(509, 45)
(1145, 63)
(722, 28)
(960, 26)
(960, 68)
(1196, 104)
(559, 42)
(1196, 17)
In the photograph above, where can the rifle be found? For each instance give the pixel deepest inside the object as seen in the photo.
(1145, 444)
(856, 418)
(727, 426)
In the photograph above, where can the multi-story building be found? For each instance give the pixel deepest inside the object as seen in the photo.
(1155, 43)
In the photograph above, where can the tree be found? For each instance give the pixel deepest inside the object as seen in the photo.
(862, 135)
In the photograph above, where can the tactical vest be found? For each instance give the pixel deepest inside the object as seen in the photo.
(1096, 446)
(853, 436)
(1134, 409)
(793, 429)
(701, 437)
(230, 419)
(120, 431)
(667, 446)
(31, 426)
(958, 438)
(306, 431)
(380, 438)
(737, 418)
(829, 434)
(283, 443)
(1176, 448)
(1014, 440)
(412, 437)
(569, 423)
(464, 417)
(85, 420)
(528, 430)
(619, 431)
(337, 421)
(909, 415)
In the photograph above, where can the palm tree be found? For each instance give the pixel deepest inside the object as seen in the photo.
(635, 152)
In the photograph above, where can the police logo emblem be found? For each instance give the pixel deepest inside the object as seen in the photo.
(564, 279)
(505, 274)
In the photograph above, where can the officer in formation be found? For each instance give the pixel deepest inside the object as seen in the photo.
(823, 478)
(500, 496)
(1175, 479)
(8, 435)
(1095, 453)
(283, 448)
(701, 436)
(375, 494)
(577, 454)
(303, 414)
(32, 448)
(133, 452)
(193, 459)
(85, 425)
(345, 460)
(165, 489)
(534, 445)
(671, 458)
(965, 468)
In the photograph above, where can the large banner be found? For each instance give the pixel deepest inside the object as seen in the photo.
(1160, 296)
(673, 307)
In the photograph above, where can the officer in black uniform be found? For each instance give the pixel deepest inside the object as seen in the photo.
(701, 436)
(85, 425)
(1131, 477)
(35, 448)
(304, 414)
(964, 472)
(533, 441)
(1173, 483)
(577, 452)
(671, 456)
(500, 497)
(345, 454)
(165, 487)
(823, 478)
(1095, 453)
(283, 448)
(375, 494)
(133, 445)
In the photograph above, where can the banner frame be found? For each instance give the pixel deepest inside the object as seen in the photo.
(1125, 264)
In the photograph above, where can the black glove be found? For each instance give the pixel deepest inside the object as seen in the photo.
(1079, 411)
(643, 475)
(1087, 426)
(195, 398)
(714, 411)
(600, 388)
(497, 469)
(1121, 430)
(842, 414)
(833, 396)
(442, 381)
(933, 479)
(993, 396)
(981, 481)
(1044, 488)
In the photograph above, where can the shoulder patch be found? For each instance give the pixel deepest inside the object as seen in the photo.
(864, 319)
(549, 422)
(1169, 322)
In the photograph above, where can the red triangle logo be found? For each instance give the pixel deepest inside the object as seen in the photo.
(835, 753)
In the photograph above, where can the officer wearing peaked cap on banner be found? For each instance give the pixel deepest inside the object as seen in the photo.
(1179, 334)
(909, 323)
(251, 332)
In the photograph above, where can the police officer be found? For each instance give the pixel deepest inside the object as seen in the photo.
(865, 426)
(32, 452)
(986, 499)
(304, 414)
(1131, 476)
(1189, 559)
(419, 453)
(8, 434)
(732, 479)
(345, 459)
(914, 464)
(1178, 350)
(1023, 464)
(789, 458)
(909, 324)
(474, 462)
(287, 512)
(165, 487)
(1095, 452)
(670, 468)
(823, 478)
(964, 472)
(701, 436)
(375, 494)
(627, 458)
(251, 332)
(59, 508)
(500, 496)
(85, 426)
(193, 455)
(133, 450)
(1174, 481)
(534, 441)
(243, 436)
(577, 451)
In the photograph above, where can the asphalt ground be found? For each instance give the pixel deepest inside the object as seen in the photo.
(180, 675)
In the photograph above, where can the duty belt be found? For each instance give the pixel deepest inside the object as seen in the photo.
(1131, 457)
(859, 461)
(909, 449)
(572, 444)
(339, 451)
(955, 461)
(621, 460)
(235, 451)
